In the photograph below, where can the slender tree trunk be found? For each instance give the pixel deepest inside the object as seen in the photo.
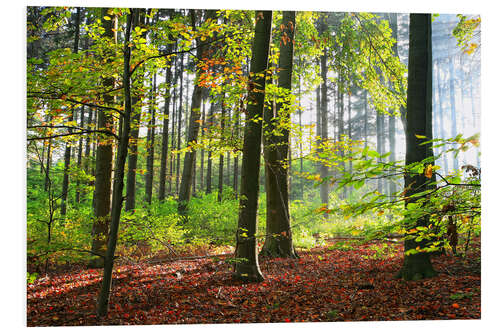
(47, 184)
(88, 139)
(349, 133)
(247, 264)
(172, 141)
(164, 141)
(202, 153)
(419, 122)
(278, 241)
(442, 132)
(179, 124)
(365, 119)
(301, 148)
(209, 158)
(453, 113)
(104, 160)
(393, 19)
(135, 126)
(193, 129)
(151, 142)
(221, 156)
(235, 161)
(67, 151)
(380, 146)
(323, 171)
(103, 300)
(341, 128)
(79, 156)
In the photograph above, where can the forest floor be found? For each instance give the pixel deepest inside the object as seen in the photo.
(342, 281)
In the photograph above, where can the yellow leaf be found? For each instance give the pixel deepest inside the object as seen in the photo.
(428, 171)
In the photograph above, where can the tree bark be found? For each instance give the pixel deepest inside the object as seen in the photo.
(419, 122)
(221, 156)
(151, 142)
(247, 265)
(104, 160)
(135, 125)
(323, 170)
(103, 300)
(67, 151)
(278, 241)
(79, 156)
(209, 158)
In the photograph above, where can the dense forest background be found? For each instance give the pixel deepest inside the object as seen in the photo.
(333, 110)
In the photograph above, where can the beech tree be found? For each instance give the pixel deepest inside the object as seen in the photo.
(278, 241)
(103, 300)
(247, 264)
(104, 160)
(418, 130)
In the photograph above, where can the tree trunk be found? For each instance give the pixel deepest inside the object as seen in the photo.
(134, 132)
(88, 139)
(202, 153)
(419, 122)
(393, 18)
(193, 129)
(151, 142)
(67, 151)
(164, 141)
(172, 140)
(104, 160)
(278, 241)
(453, 113)
(103, 300)
(323, 170)
(179, 124)
(443, 134)
(247, 264)
(79, 156)
(209, 158)
(221, 156)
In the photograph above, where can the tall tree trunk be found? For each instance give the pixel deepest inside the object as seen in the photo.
(278, 241)
(301, 148)
(247, 265)
(48, 164)
(323, 171)
(103, 299)
(419, 122)
(172, 140)
(79, 156)
(365, 118)
(135, 126)
(221, 156)
(341, 128)
(193, 129)
(151, 142)
(380, 145)
(393, 19)
(349, 133)
(235, 161)
(202, 153)
(104, 160)
(453, 113)
(443, 133)
(179, 124)
(209, 158)
(88, 139)
(67, 151)
(164, 141)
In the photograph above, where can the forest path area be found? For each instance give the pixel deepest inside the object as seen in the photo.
(342, 281)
